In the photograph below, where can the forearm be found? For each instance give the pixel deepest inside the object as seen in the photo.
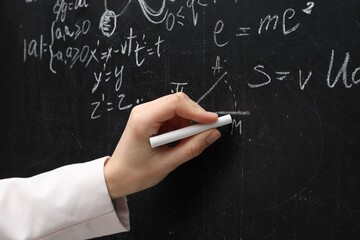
(71, 202)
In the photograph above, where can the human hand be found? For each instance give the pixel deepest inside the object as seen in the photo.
(134, 165)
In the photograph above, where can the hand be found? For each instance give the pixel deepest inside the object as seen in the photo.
(134, 165)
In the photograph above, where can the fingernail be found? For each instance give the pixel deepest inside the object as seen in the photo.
(213, 137)
(213, 114)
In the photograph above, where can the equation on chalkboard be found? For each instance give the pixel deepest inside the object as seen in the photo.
(287, 71)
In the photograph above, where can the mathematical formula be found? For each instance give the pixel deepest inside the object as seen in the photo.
(136, 47)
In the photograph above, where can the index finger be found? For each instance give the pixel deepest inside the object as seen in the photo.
(178, 104)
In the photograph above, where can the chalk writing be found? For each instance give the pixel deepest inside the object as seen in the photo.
(179, 86)
(288, 25)
(355, 79)
(310, 6)
(108, 23)
(140, 48)
(331, 81)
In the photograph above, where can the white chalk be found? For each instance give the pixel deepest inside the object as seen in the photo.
(188, 131)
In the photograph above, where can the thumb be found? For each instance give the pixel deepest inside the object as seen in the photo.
(192, 147)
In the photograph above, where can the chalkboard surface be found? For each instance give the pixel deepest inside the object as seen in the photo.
(288, 72)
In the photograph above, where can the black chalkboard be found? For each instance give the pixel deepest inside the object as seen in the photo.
(287, 71)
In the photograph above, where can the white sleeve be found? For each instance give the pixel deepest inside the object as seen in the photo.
(71, 202)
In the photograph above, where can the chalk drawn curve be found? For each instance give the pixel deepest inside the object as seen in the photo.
(282, 171)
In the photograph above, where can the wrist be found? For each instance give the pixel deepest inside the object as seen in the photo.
(110, 181)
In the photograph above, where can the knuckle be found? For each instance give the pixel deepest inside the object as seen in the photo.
(136, 116)
(135, 110)
(180, 97)
(196, 150)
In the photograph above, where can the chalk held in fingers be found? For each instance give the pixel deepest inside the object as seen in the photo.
(185, 132)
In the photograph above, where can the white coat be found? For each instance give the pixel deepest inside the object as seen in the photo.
(71, 202)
